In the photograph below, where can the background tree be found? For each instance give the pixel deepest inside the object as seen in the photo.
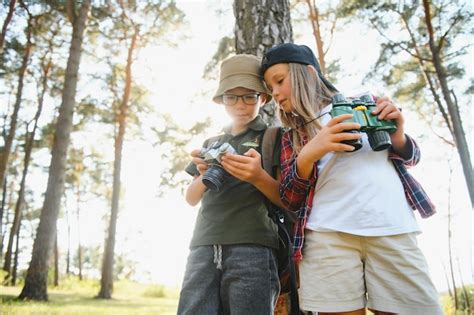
(36, 279)
(420, 58)
(44, 72)
(14, 118)
(138, 23)
(259, 26)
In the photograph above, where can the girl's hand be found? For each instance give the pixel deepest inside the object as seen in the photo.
(246, 167)
(200, 164)
(330, 138)
(386, 110)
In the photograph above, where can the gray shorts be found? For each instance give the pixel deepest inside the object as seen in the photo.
(230, 279)
(341, 272)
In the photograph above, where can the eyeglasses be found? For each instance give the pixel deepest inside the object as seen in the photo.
(249, 99)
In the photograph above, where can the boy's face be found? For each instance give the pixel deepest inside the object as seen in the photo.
(242, 105)
(277, 79)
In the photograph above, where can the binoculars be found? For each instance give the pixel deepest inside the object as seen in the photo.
(378, 131)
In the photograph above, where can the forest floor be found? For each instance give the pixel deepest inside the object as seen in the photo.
(75, 298)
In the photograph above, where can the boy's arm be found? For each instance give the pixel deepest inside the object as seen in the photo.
(195, 191)
(196, 169)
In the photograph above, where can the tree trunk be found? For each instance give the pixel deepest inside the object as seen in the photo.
(68, 254)
(15, 260)
(459, 135)
(37, 275)
(259, 25)
(13, 121)
(107, 280)
(56, 261)
(79, 246)
(314, 18)
(26, 162)
(450, 252)
(2, 210)
(11, 9)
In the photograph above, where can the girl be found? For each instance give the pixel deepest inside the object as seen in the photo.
(355, 215)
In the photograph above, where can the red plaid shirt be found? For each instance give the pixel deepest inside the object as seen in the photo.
(297, 193)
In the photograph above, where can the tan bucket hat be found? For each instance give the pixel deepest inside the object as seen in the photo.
(241, 70)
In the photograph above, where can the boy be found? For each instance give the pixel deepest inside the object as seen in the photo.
(231, 266)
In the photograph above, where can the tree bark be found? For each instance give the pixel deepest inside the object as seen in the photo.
(259, 25)
(459, 135)
(107, 280)
(8, 18)
(36, 280)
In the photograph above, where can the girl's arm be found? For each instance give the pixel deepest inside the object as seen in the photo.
(300, 173)
(293, 188)
(403, 147)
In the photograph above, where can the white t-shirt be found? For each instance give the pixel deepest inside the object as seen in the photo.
(360, 193)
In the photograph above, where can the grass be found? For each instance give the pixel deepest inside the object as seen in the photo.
(74, 297)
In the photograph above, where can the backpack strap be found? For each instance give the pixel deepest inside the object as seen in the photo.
(271, 138)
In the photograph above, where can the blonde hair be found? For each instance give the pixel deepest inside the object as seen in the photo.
(308, 96)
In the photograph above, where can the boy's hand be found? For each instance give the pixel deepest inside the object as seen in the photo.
(200, 164)
(247, 167)
(386, 110)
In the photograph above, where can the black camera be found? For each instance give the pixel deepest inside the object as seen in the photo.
(378, 131)
(215, 175)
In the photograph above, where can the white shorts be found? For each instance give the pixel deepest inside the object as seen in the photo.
(341, 272)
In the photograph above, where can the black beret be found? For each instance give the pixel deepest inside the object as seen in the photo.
(292, 53)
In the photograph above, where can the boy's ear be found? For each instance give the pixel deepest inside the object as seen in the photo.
(264, 97)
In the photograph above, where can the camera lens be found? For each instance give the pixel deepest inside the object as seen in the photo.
(379, 140)
(214, 178)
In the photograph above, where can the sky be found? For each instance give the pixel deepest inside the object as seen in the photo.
(156, 231)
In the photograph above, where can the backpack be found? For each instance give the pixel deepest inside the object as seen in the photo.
(284, 220)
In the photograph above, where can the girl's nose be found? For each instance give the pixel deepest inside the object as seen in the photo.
(275, 92)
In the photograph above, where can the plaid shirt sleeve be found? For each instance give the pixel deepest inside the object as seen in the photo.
(293, 188)
(417, 198)
(296, 193)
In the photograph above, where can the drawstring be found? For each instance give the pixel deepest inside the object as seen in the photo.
(218, 256)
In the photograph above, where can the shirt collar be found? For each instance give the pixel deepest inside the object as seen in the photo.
(258, 124)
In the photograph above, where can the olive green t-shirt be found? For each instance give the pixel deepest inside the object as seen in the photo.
(236, 214)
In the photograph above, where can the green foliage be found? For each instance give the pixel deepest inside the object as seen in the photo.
(225, 49)
(465, 303)
(155, 291)
(172, 141)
